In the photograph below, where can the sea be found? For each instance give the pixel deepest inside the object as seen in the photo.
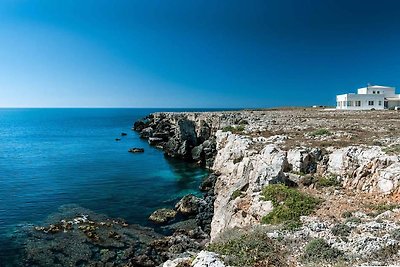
(53, 157)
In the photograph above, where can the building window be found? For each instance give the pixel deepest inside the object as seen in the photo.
(370, 103)
(378, 92)
(380, 103)
(358, 103)
(349, 103)
(373, 92)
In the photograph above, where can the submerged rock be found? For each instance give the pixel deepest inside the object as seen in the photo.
(162, 215)
(136, 150)
(79, 237)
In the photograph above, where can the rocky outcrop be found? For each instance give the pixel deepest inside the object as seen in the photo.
(187, 136)
(162, 215)
(245, 161)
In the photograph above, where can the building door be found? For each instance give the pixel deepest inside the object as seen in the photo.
(385, 104)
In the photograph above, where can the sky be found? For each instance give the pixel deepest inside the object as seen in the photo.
(199, 54)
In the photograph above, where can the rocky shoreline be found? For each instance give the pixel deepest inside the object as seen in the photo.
(354, 155)
(348, 163)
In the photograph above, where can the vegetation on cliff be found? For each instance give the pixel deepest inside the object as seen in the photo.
(289, 204)
(248, 248)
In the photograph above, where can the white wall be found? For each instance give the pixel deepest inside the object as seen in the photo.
(343, 101)
(387, 91)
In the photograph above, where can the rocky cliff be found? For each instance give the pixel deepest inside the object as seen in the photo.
(249, 150)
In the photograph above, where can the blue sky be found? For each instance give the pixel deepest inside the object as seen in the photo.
(194, 53)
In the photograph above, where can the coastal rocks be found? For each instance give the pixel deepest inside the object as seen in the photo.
(366, 169)
(181, 135)
(244, 172)
(189, 204)
(303, 160)
(146, 133)
(79, 237)
(136, 150)
(162, 215)
(207, 259)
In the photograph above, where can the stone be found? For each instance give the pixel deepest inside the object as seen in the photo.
(136, 150)
(162, 215)
(189, 204)
(146, 133)
(207, 259)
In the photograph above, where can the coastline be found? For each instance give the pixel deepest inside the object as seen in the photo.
(324, 154)
(291, 146)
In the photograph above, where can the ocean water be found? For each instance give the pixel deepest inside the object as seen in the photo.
(53, 157)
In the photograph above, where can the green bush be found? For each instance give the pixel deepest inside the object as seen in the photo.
(347, 214)
(235, 194)
(329, 181)
(318, 250)
(289, 204)
(353, 220)
(251, 248)
(396, 234)
(341, 230)
(395, 149)
(234, 129)
(321, 132)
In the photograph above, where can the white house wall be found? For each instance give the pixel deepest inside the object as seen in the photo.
(378, 101)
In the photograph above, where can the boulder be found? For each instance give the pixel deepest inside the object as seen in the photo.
(146, 133)
(197, 153)
(154, 140)
(189, 204)
(136, 150)
(162, 215)
(207, 259)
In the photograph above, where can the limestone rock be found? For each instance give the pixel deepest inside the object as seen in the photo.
(162, 215)
(207, 259)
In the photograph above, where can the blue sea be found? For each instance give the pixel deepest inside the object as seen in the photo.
(54, 157)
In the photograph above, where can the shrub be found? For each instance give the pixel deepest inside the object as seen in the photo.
(289, 204)
(353, 220)
(319, 250)
(233, 129)
(251, 248)
(380, 208)
(321, 132)
(330, 181)
(395, 149)
(386, 253)
(347, 214)
(341, 230)
(235, 194)
(396, 234)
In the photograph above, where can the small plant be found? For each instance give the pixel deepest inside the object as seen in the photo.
(289, 204)
(318, 250)
(233, 129)
(386, 252)
(380, 208)
(235, 194)
(353, 219)
(347, 214)
(291, 225)
(321, 132)
(394, 149)
(341, 230)
(396, 234)
(329, 181)
(250, 248)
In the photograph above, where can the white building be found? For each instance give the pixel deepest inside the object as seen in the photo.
(370, 97)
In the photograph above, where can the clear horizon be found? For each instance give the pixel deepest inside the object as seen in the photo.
(83, 54)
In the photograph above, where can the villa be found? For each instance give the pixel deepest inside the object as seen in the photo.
(369, 98)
